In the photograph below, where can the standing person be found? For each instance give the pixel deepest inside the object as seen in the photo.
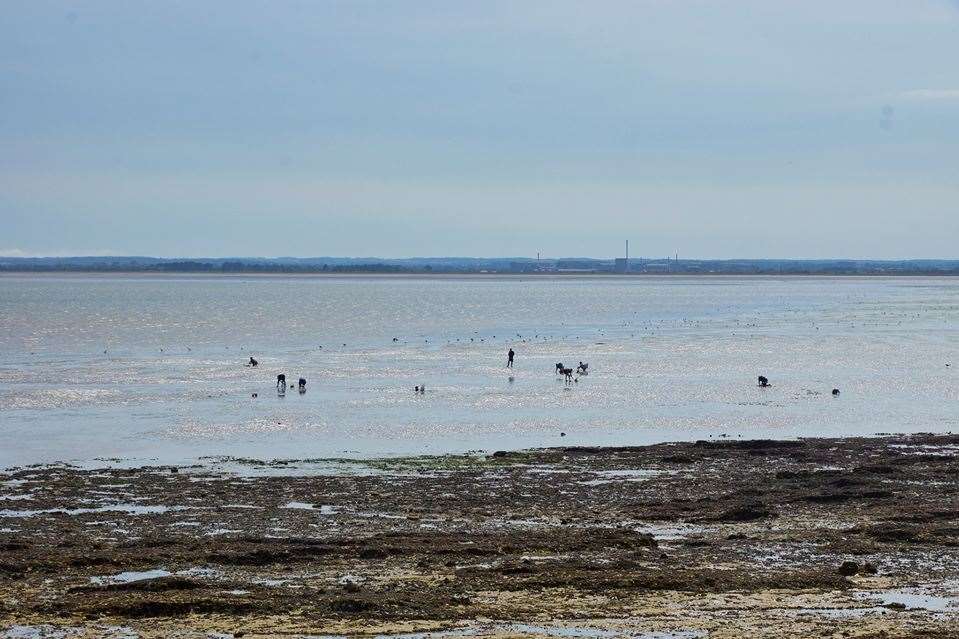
(509, 358)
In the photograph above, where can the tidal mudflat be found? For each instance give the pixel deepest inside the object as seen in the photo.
(850, 537)
(152, 367)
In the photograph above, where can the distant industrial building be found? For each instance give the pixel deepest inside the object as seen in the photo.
(621, 264)
(579, 266)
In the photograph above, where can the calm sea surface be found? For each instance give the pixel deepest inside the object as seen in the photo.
(152, 368)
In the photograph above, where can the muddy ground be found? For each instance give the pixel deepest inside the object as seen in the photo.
(812, 538)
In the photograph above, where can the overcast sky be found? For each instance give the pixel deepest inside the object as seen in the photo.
(752, 128)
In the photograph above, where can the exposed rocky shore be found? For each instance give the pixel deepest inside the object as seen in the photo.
(819, 537)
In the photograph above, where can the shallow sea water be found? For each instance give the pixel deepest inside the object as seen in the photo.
(151, 368)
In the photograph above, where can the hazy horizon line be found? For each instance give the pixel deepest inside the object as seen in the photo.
(16, 255)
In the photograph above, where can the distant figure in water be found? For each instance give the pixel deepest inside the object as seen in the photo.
(281, 381)
(583, 368)
(763, 382)
(509, 358)
(419, 389)
(835, 392)
(253, 363)
(302, 385)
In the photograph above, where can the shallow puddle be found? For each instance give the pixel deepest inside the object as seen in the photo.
(628, 475)
(129, 509)
(130, 577)
(246, 468)
(323, 509)
(670, 532)
(915, 599)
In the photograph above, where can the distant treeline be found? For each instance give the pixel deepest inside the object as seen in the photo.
(191, 266)
(480, 265)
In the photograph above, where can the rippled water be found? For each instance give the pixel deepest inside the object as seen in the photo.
(153, 367)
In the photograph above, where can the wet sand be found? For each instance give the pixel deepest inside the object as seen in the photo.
(819, 537)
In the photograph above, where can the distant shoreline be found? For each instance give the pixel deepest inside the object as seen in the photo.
(477, 266)
(10, 274)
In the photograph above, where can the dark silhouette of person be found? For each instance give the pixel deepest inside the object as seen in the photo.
(253, 362)
(509, 358)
